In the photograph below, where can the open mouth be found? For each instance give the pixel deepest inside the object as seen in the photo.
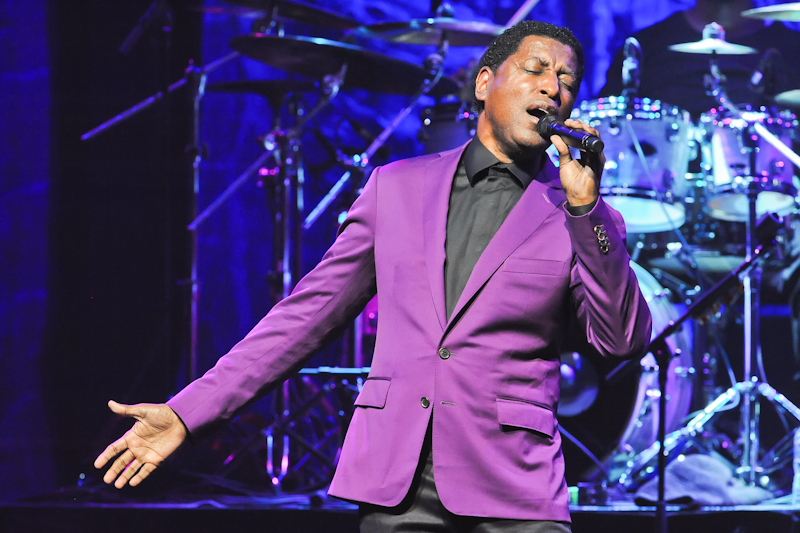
(538, 113)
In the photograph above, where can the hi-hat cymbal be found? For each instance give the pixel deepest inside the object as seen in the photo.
(786, 12)
(712, 45)
(430, 31)
(315, 58)
(299, 11)
(789, 98)
(270, 89)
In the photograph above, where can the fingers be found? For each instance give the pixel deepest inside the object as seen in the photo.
(118, 408)
(111, 451)
(142, 473)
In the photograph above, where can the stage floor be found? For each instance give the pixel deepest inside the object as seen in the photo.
(317, 514)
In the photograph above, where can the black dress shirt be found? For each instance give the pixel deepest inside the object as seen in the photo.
(484, 193)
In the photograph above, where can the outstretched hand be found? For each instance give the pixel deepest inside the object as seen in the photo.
(156, 434)
(580, 179)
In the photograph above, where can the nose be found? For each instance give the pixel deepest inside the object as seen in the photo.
(550, 87)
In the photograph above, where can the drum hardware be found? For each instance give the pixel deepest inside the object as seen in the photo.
(434, 64)
(640, 467)
(789, 12)
(317, 415)
(285, 196)
(195, 78)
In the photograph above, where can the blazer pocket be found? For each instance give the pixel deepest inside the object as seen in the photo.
(373, 393)
(526, 415)
(544, 267)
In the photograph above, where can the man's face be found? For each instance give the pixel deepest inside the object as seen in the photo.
(539, 78)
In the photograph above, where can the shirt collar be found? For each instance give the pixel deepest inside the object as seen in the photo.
(478, 158)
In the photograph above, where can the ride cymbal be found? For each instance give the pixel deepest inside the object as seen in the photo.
(430, 31)
(784, 12)
(316, 58)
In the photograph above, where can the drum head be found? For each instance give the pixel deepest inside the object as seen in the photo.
(647, 146)
(726, 147)
(614, 421)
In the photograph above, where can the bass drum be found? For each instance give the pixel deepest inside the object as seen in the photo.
(615, 421)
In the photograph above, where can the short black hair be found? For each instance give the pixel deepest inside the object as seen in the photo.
(507, 44)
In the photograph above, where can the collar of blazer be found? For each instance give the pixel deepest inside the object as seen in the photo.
(537, 202)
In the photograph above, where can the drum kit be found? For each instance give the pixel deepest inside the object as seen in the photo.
(747, 171)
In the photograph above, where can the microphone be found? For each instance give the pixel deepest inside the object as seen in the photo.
(550, 125)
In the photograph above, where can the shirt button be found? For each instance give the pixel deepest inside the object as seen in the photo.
(425, 402)
(444, 353)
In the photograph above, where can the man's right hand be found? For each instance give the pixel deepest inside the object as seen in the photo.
(157, 433)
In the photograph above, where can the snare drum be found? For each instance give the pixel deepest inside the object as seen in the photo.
(726, 161)
(647, 147)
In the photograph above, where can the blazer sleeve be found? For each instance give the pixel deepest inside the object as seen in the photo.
(604, 288)
(322, 304)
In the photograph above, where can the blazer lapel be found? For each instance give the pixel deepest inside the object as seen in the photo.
(436, 200)
(541, 197)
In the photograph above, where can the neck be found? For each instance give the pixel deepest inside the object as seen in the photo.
(530, 159)
(725, 13)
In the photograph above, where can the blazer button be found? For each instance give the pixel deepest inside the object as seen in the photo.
(425, 402)
(444, 353)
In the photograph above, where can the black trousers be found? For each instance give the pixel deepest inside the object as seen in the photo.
(421, 511)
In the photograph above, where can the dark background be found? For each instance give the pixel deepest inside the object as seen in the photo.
(94, 253)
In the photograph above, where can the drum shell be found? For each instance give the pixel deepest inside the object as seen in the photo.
(647, 147)
(724, 141)
(446, 126)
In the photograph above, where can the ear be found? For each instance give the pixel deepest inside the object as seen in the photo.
(482, 82)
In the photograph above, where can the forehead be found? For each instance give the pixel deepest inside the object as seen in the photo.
(536, 47)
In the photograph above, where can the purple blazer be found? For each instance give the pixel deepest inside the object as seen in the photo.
(493, 392)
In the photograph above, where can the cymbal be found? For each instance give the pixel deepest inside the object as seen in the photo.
(299, 11)
(315, 58)
(711, 45)
(786, 12)
(270, 89)
(788, 98)
(430, 31)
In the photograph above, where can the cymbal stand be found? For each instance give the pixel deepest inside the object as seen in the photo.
(750, 407)
(661, 449)
(434, 65)
(196, 79)
(284, 146)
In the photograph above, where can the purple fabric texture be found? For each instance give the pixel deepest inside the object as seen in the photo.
(495, 449)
